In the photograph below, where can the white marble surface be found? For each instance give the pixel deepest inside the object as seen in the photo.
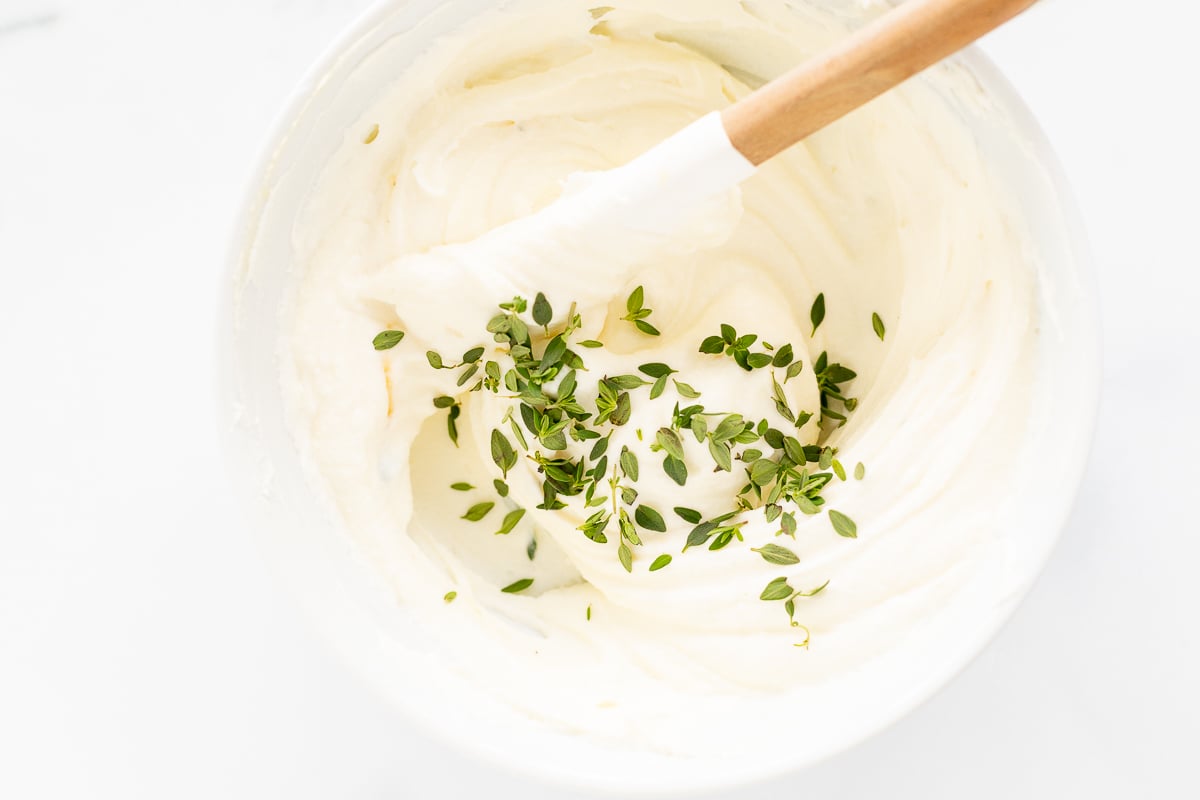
(144, 651)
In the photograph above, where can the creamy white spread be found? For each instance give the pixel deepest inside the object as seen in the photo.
(891, 211)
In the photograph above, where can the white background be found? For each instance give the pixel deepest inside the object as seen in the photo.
(145, 650)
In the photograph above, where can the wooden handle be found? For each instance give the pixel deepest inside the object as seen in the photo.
(889, 51)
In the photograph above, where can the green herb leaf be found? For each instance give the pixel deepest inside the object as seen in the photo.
(386, 340)
(449, 597)
(860, 471)
(510, 521)
(461, 487)
(502, 452)
(660, 386)
(774, 554)
(843, 525)
(629, 464)
(650, 519)
(676, 470)
(443, 402)
(542, 312)
(838, 469)
(636, 300)
(452, 423)
(877, 324)
(793, 370)
(713, 346)
(472, 355)
(817, 314)
(660, 562)
(626, 557)
(591, 344)
(501, 487)
(783, 357)
(685, 391)
(646, 328)
(777, 589)
(688, 515)
(518, 586)
(531, 548)
(656, 370)
(478, 511)
(434, 359)
(670, 442)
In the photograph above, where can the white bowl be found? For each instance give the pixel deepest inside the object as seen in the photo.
(355, 610)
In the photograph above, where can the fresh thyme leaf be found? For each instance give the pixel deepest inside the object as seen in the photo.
(449, 597)
(669, 441)
(472, 355)
(646, 328)
(763, 471)
(434, 359)
(812, 592)
(629, 464)
(591, 344)
(777, 589)
(794, 450)
(826, 459)
(843, 525)
(758, 360)
(599, 448)
(721, 454)
(589, 612)
(542, 312)
(877, 325)
(624, 408)
(774, 554)
(838, 469)
(789, 524)
(688, 515)
(860, 471)
(467, 374)
(626, 382)
(817, 314)
(478, 511)
(501, 487)
(629, 495)
(650, 519)
(461, 487)
(685, 391)
(555, 350)
(518, 586)
(660, 562)
(728, 334)
(531, 548)
(676, 470)
(510, 521)
(443, 402)
(783, 357)
(502, 452)
(660, 386)
(713, 346)
(793, 370)
(452, 423)
(386, 340)
(636, 300)
(626, 557)
(771, 512)
(655, 370)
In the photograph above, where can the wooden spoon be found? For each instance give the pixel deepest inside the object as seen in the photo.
(898, 45)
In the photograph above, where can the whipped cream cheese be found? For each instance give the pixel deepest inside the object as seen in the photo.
(427, 226)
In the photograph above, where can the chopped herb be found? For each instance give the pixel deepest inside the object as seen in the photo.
(518, 586)
(510, 521)
(843, 524)
(542, 313)
(461, 487)
(478, 511)
(817, 314)
(635, 305)
(650, 519)
(774, 554)
(387, 340)
(660, 562)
